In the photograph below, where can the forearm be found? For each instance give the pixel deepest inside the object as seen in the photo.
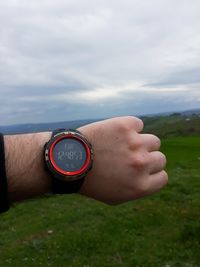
(25, 170)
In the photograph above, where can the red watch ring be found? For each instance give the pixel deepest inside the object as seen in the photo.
(88, 155)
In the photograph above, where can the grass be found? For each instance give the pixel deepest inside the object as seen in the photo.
(162, 230)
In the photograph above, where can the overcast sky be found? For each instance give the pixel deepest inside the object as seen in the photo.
(75, 59)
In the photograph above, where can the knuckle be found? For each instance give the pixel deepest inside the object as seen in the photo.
(130, 119)
(123, 125)
(131, 140)
(130, 123)
(139, 161)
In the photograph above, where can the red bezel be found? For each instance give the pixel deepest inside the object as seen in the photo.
(88, 155)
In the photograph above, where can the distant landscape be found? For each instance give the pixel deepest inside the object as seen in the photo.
(164, 125)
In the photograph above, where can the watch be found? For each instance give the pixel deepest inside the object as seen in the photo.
(68, 157)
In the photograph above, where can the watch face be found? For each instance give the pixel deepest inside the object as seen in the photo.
(69, 155)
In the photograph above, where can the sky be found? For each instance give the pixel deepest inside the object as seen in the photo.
(77, 59)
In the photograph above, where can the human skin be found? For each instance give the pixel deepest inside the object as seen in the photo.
(127, 164)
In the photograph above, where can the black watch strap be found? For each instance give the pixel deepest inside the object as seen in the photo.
(4, 203)
(63, 187)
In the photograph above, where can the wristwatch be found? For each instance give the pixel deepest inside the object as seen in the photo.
(68, 157)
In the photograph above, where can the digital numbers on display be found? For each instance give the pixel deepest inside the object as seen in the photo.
(69, 154)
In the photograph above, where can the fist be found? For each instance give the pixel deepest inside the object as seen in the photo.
(127, 164)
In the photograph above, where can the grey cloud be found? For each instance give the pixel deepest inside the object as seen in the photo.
(186, 76)
(75, 46)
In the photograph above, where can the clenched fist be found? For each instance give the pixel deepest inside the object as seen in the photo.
(127, 164)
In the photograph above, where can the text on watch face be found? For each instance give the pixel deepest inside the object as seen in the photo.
(69, 155)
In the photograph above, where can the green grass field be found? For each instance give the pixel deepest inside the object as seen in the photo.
(159, 231)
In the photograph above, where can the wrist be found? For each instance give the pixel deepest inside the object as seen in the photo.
(68, 158)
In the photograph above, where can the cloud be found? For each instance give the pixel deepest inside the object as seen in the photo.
(84, 54)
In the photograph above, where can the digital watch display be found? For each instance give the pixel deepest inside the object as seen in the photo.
(68, 157)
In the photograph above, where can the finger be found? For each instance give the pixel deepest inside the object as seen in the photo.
(135, 123)
(157, 181)
(128, 122)
(150, 142)
(157, 162)
(138, 124)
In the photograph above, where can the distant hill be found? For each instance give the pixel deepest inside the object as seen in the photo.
(186, 123)
(176, 124)
(185, 112)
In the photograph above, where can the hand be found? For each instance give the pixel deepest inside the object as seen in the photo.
(127, 165)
